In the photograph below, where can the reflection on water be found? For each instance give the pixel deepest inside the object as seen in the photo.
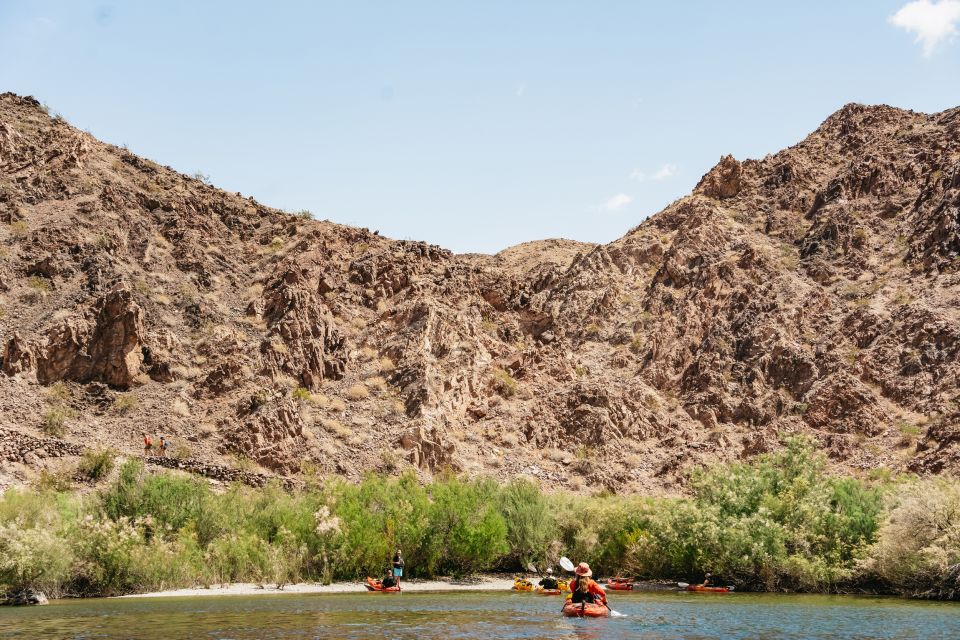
(481, 615)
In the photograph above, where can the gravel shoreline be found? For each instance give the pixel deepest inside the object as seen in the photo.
(483, 583)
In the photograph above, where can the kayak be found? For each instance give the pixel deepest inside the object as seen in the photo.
(547, 592)
(620, 585)
(563, 584)
(583, 610)
(377, 585)
(696, 587)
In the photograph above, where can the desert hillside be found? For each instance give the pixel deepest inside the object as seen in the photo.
(813, 291)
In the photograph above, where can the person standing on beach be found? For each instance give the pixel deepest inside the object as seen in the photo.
(398, 566)
(163, 447)
(147, 446)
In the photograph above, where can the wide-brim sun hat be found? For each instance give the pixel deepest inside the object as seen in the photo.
(583, 569)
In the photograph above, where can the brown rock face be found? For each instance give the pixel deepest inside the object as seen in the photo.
(107, 349)
(723, 181)
(814, 291)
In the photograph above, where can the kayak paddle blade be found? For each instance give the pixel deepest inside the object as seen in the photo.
(682, 585)
(566, 564)
(531, 568)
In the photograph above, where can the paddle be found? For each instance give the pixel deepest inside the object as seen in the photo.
(568, 567)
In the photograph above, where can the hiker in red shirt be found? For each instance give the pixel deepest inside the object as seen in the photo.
(147, 446)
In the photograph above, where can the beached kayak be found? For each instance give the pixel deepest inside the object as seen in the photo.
(583, 610)
(696, 587)
(377, 585)
(620, 585)
(547, 592)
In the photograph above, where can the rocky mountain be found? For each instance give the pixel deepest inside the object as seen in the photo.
(814, 291)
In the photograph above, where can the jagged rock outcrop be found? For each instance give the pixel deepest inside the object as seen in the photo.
(107, 347)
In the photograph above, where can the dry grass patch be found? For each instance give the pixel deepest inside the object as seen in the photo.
(334, 427)
(125, 403)
(180, 408)
(337, 405)
(185, 373)
(386, 365)
(358, 392)
(377, 382)
(368, 353)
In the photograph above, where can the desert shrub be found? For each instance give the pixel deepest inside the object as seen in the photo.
(504, 384)
(34, 552)
(467, 532)
(302, 395)
(95, 465)
(529, 521)
(54, 420)
(33, 558)
(776, 522)
(171, 500)
(918, 550)
(124, 403)
(358, 392)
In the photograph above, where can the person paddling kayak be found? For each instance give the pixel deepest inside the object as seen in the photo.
(584, 588)
(707, 580)
(549, 581)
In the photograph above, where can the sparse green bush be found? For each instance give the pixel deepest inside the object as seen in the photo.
(38, 283)
(54, 421)
(95, 465)
(504, 384)
(124, 403)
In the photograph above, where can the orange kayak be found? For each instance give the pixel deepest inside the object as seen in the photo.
(377, 585)
(583, 610)
(620, 585)
(696, 587)
(547, 592)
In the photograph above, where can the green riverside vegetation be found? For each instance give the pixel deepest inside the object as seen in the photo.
(779, 522)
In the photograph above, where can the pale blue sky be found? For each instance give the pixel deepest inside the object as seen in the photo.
(471, 125)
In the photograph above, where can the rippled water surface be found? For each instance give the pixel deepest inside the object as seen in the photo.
(482, 615)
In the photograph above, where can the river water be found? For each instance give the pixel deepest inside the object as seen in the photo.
(483, 615)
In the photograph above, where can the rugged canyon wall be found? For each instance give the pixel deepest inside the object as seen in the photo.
(814, 291)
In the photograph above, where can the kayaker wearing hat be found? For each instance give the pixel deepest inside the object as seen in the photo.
(584, 588)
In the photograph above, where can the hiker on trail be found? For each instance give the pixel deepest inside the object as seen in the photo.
(147, 446)
(584, 588)
(549, 581)
(164, 445)
(398, 566)
(388, 580)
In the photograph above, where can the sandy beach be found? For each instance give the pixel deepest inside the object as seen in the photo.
(484, 583)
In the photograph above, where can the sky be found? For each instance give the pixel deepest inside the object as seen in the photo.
(472, 125)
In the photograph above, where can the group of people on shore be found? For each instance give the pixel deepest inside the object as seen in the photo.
(160, 448)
